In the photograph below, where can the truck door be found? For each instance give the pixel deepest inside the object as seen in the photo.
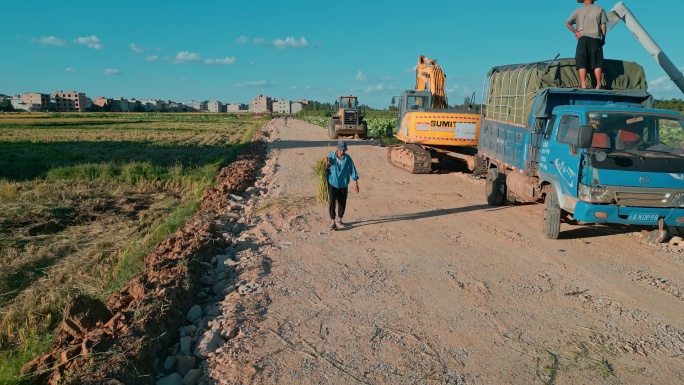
(559, 161)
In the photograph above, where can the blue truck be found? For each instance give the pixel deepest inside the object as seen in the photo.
(590, 155)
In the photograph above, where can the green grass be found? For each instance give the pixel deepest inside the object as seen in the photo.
(13, 361)
(131, 261)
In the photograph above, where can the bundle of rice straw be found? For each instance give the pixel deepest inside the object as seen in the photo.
(320, 170)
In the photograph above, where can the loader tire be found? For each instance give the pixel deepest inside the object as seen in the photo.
(364, 133)
(331, 129)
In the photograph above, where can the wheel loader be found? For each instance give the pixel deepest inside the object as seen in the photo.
(347, 119)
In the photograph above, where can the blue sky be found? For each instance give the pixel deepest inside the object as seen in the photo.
(233, 50)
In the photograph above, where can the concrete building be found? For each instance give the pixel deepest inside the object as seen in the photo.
(19, 104)
(120, 105)
(298, 106)
(39, 102)
(102, 102)
(69, 101)
(261, 103)
(151, 105)
(177, 107)
(196, 106)
(282, 106)
(237, 107)
(215, 106)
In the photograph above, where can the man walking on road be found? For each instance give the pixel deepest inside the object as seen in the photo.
(590, 31)
(340, 169)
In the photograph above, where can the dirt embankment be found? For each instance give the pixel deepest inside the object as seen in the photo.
(121, 342)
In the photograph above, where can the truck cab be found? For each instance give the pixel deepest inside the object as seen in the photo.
(615, 164)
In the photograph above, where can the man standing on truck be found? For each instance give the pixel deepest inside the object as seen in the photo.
(588, 23)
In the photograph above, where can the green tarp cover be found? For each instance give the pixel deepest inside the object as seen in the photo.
(513, 88)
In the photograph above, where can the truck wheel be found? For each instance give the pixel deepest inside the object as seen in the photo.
(331, 130)
(510, 198)
(552, 216)
(495, 188)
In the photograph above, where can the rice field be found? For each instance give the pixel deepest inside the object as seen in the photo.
(84, 197)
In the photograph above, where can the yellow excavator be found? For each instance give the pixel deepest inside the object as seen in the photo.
(428, 128)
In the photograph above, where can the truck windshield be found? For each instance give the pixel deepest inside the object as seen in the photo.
(623, 132)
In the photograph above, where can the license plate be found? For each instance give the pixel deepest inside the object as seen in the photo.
(643, 217)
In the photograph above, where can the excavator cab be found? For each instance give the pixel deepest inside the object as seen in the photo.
(412, 101)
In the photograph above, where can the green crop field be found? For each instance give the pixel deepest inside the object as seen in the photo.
(84, 197)
(379, 127)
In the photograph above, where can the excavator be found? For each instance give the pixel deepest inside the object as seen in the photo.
(428, 128)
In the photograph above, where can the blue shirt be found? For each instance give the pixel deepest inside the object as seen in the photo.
(341, 170)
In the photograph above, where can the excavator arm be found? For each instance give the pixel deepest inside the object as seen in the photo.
(429, 76)
(621, 13)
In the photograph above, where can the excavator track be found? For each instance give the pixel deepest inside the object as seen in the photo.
(411, 157)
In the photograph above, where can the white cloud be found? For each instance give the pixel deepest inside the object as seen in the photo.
(140, 49)
(242, 40)
(152, 58)
(50, 40)
(663, 86)
(135, 48)
(380, 88)
(361, 77)
(185, 56)
(305, 88)
(452, 88)
(226, 61)
(89, 41)
(191, 57)
(660, 84)
(259, 83)
(112, 72)
(288, 42)
(69, 69)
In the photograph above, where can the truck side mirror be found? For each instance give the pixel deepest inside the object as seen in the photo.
(585, 136)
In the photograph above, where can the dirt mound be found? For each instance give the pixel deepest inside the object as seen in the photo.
(120, 342)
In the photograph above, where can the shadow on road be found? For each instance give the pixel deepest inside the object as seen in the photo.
(425, 214)
(323, 144)
(596, 231)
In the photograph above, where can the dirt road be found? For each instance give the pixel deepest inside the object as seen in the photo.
(431, 285)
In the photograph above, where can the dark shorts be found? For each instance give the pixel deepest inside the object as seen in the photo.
(589, 54)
